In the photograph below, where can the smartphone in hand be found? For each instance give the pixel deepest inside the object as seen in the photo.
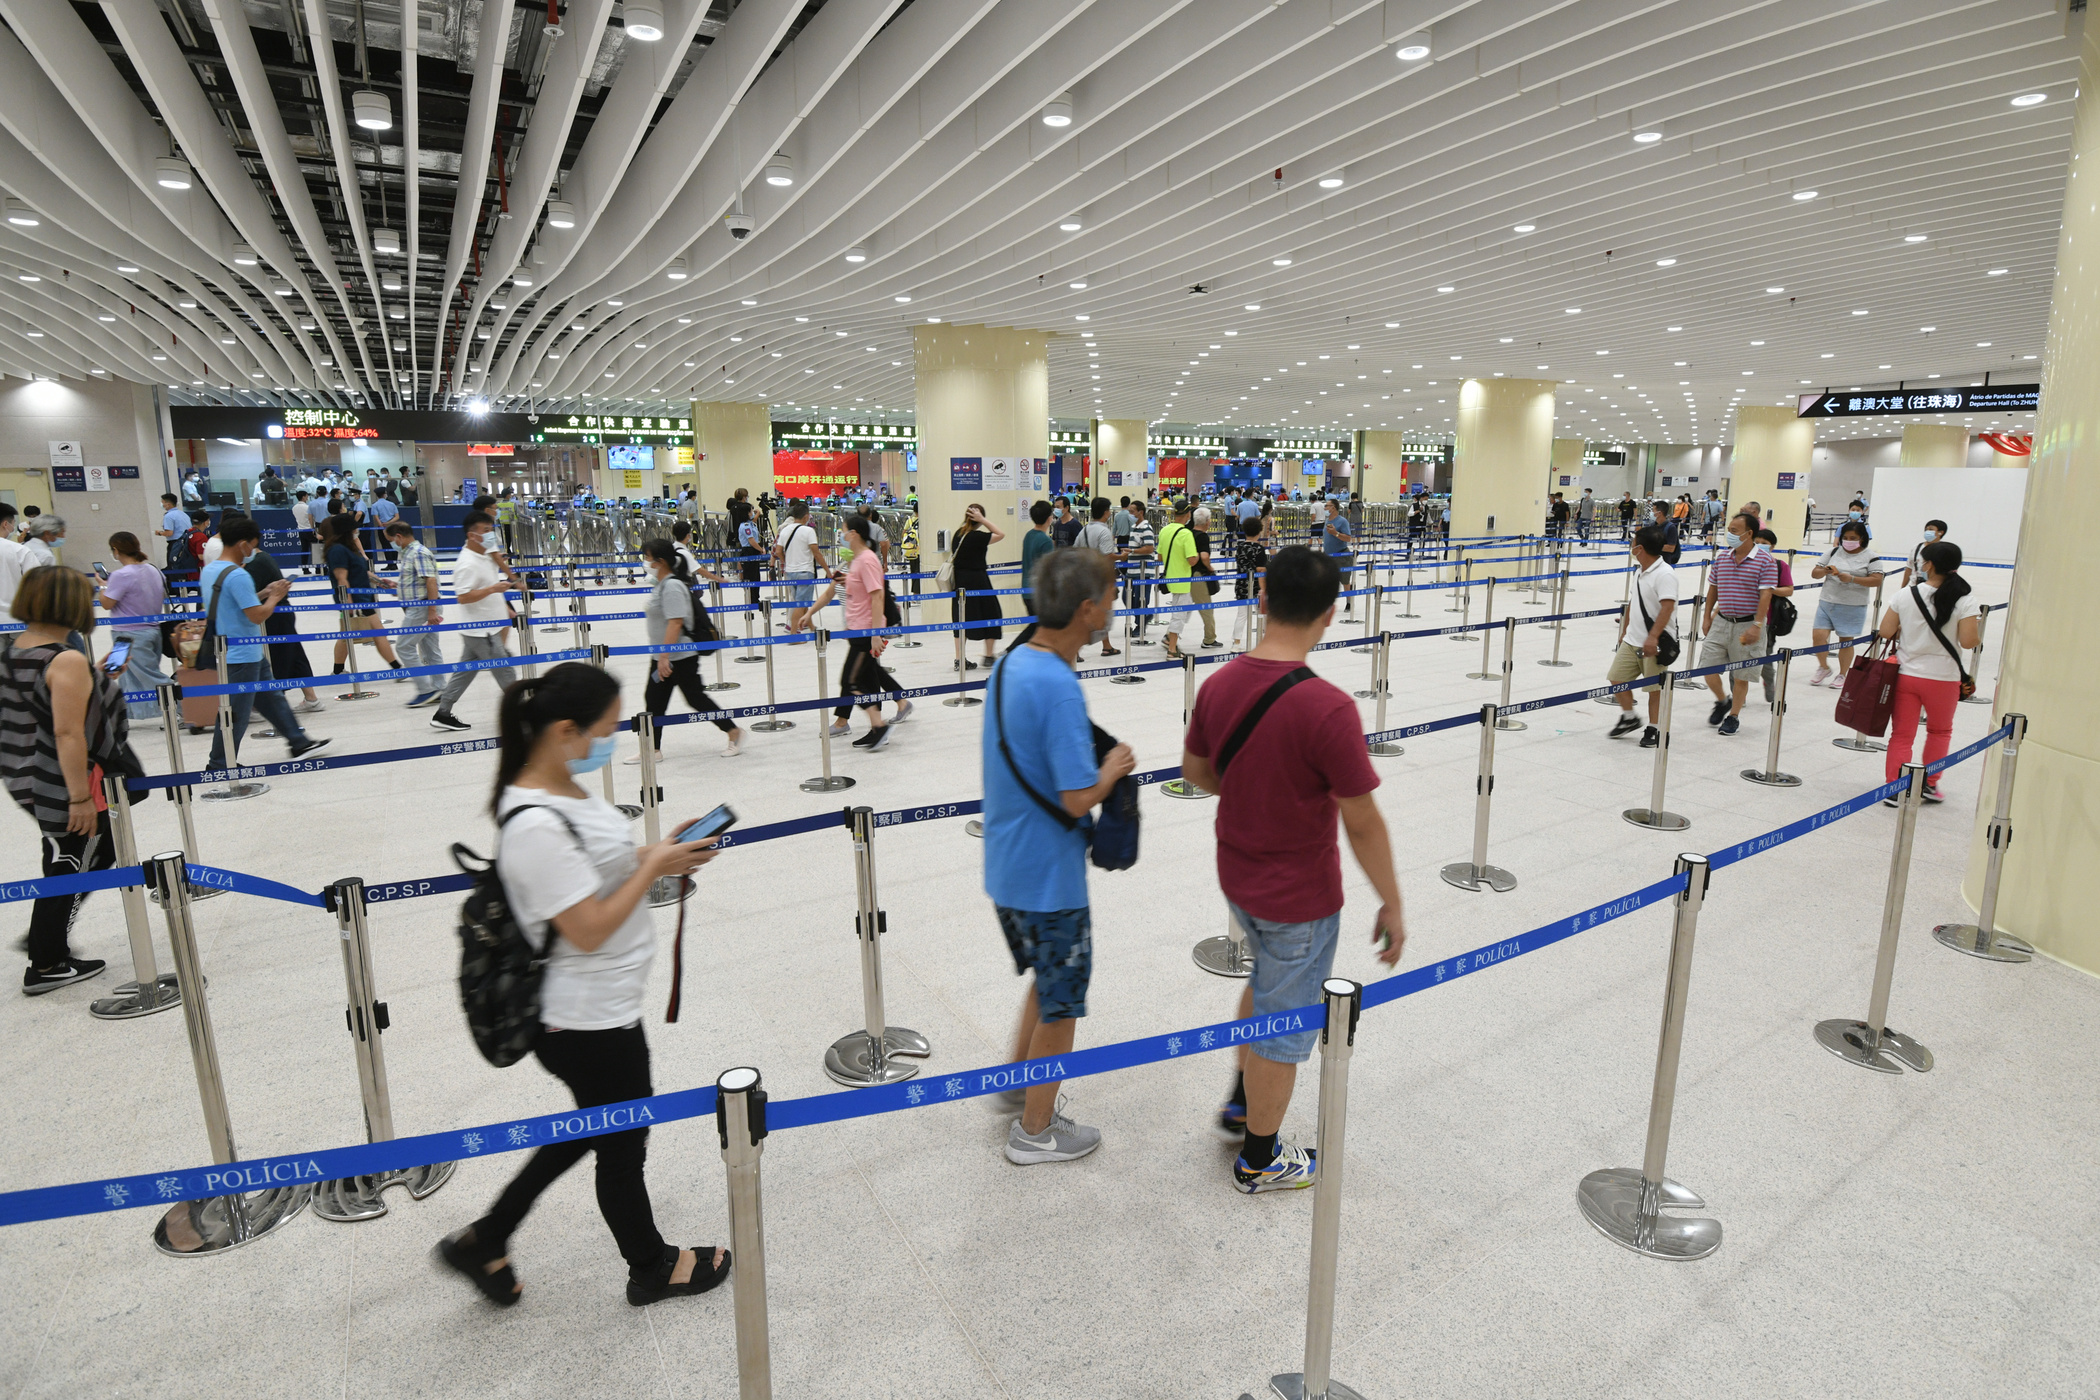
(713, 824)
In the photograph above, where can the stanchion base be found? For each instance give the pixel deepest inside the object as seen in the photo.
(226, 1222)
(723, 685)
(358, 695)
(1561, 663)
(906, 645)
(1126, 680)
(132, 1000)
(958, 702)
(1483, 675)
(233, 792)
(1962, 938)
(1460, 637)
(670, 889)
(838, 782)
(749, 661)
(1656, 821)
(1772, 779)
(1223, 957)
(1859, 745)
(353, 1198)
(1468, 876)
(1291, 1386)
(1385, 749)
(1182, 787)
(1611, 1201)
(772, 726)
(974, 827)
(1895, 1052)
(1979, 698)
(1511, 724)
(1365, 694)
(848, 1061)
(1363, 650)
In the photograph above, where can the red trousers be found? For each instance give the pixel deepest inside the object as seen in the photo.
(1937, 699)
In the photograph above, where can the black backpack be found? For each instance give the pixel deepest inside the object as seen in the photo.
(499, 965)
(704, 629)
(1783, 616)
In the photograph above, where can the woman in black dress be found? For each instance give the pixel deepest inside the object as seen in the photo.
(287, 658)
(967, 554)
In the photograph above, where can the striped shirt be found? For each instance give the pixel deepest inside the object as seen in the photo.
(28, 739)
(417, 564)
(1736, 582)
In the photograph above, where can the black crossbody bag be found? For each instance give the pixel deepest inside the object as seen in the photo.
(1968, 683)
(1666, 643)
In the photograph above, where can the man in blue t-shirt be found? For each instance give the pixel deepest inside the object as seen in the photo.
(1340, 542)
(238, 615)
(1035, 848)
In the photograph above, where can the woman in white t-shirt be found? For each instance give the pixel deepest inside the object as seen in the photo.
(575, 878)
(1930, 621)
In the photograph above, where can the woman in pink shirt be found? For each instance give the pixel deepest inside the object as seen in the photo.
(863, 674)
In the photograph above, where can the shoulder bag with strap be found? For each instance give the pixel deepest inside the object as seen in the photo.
(1666, 642)
(1244, 730)
(1968, 683)
(193, 638)
(1112, 836)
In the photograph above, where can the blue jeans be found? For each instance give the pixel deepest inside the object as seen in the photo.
(270, 702)
(142, 670)
(1290, 963)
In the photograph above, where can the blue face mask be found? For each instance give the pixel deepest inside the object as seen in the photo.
(601, 754)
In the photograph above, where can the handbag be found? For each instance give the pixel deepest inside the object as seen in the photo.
(1112, 834)
(1968, 682)
(1782, 617)
(1666, 647)
(192, 639)
(1870, 691)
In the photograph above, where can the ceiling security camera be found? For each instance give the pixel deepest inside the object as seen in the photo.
(532, 418)
(739, 226)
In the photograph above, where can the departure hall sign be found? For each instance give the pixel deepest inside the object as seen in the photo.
(1974, 398)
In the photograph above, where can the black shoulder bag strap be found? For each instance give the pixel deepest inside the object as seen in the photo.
(1245, 730)
(1933, 623)
(1647, 621)
(205, 657)
(1055, 809)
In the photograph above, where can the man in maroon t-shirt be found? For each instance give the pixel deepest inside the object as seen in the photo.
(1280, 790)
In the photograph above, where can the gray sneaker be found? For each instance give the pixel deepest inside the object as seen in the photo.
(1062, 1141)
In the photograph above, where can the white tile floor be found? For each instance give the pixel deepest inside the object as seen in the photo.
(1872, 1245)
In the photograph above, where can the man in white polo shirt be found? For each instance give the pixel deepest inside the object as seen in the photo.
(478, 582)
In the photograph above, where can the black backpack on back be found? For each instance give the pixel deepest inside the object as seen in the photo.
(499, 965)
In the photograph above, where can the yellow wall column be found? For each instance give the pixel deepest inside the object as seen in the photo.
(1504, 451)
(1381, 467)
(1934, 445)
(983, 391)
(1119, 446)
(1567, 462)
(2049, 671)
(732, 447)
(1768, 441)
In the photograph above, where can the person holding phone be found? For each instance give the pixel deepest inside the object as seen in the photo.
(670, 614)
(967, 549)
(579, 885)
(134, 590)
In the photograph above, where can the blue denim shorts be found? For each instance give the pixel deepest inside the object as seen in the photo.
(1290, 963)
(805, 590)
(1058, 947)
(1846, 619)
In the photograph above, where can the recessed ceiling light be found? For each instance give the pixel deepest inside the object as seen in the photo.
(32, 277)
(1253, 306)
(1666, 262)
(1330, 182)
(1057, 112)
(1994, 272)
(1076, 286)
(747, 301)
(1413, 49)
(2030, 99)
(1983, 345)
(1802, 196)
(1647, 138)
(1445, 291)
(1860, 312)
(1673, 328)
(1526, 228)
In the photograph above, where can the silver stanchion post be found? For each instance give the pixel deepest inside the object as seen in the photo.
(765, 612)
(1477, 874)
(1461, 576)
(1465, 610)
(1770, 775)
(362, 1197)
(772, 724)
(740, 1123)
(1626, 1203)
(528, 647)
(907, 608)
(171, 726)
(215, 1223)
(1384, 748)
(1225, 954)
(342, 603)
(826, 781)
(714, 589)
(229, 744)
(1982, 938)
(1984, 695)
(1371, 616)
(870, 1056)
(1337, 1041)
(1182, 787)
(1560, 622)
(1682, 683)
(1654, 816)
(1487, 637)
(959, 701)
(1129, 658)
(668, 889)
(150, 989)
(1509, 648)
(1407, 594)
(1872, 1044)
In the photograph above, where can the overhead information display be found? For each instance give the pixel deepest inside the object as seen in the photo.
(1974, 398)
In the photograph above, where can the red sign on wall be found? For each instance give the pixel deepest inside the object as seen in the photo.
(1173, 472)
(815, 473)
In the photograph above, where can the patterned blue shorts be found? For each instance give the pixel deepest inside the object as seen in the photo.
(1058, 947)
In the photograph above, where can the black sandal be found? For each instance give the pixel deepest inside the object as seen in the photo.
(458, 1251)
(706, 1277)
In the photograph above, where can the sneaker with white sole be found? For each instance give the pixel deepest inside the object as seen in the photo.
(904, 709)
(424, 699)
(308, 707)
(734, 747)
(1626, 724)
(1061, 1141)
(1822, 676)
(840, 729)
(873, 739)
(442, 720)
(36, 982)
(1294, 1169)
